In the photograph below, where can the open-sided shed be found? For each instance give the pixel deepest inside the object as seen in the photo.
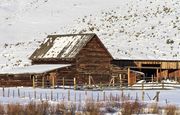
(155, 70)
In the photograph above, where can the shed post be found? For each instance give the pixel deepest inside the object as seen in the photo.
(160, 73)
(89, 80)
(33, 81)
(157, 75)
(152, 79)
(129, 80)
(74, 83)
(53, 82)
(113, 80)
(120, 78)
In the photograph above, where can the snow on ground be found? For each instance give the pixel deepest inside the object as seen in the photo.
(27, 95)
(142, 29)
(16, 54)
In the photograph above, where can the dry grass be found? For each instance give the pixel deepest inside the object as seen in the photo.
(2, 112)
(170, 109)
(129, 108)
(88, 108)
(15, 109)
(154, 108)
(91, 108)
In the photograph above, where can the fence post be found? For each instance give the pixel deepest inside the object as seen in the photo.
(79, 97)
(104, 96)
(51, 95)
(143, 91)
(68, 95)
(29, 95)
(75, 96)
(122, 95)
(46, 96)
(34, 94)
(41, 96)
(24, 94)
(43, 82)
(8, 92)
(3, 92)
(157, 96)
(18, 92)
(136, 96)
(13, 93)
(92, 98)
(57, 96)
(162, 85)
(63, 82)
(110, 95)
(98, 97)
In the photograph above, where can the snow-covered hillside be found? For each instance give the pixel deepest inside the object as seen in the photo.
(130, 29)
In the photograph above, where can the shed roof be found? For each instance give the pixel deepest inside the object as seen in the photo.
(34, 69)
(62, 46)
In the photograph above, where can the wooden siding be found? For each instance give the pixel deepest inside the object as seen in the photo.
(53, 61)
(15, 80)
(93, 59)
(139, 63)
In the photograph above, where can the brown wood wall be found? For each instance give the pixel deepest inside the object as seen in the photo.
(93, 59)
(53, 61)
(139, 63)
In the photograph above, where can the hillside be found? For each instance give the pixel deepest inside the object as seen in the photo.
(142, 29)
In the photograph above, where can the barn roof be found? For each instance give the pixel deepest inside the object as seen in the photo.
(63, 46)
(34, 69)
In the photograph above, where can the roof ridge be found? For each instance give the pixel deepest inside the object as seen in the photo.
(59, 35)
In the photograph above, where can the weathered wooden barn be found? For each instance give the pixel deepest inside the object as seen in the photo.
(155, 70)
(85, 52)
(80, 56)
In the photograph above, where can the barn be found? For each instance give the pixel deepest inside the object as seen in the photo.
(85, 53)
(82, 57)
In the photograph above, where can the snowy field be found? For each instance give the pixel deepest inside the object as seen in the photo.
(27, 94)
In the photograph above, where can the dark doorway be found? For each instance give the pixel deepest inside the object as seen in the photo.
(148, 73)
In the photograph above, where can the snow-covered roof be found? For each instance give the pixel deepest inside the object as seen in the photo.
(34, 69)
(62, 46)
(137, 72)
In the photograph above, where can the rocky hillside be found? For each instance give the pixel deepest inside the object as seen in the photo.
(141, 29)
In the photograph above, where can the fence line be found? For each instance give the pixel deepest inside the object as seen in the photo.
(70, 95)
